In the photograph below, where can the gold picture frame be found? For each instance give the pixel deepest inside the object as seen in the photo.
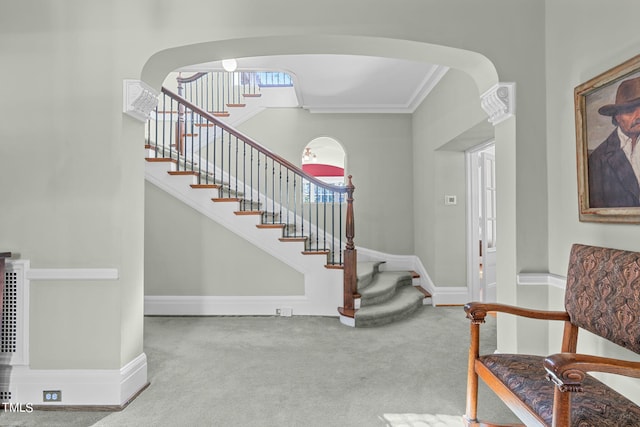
(608, 184)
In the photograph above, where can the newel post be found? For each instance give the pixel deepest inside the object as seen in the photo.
(350, 253)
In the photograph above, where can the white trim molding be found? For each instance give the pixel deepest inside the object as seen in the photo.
(138, 99)
(79, 387)
(196, 305)
(450, 295)
(545, 279)
(499, 102)
(72, 274)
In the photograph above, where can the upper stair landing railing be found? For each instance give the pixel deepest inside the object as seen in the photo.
(217, 91)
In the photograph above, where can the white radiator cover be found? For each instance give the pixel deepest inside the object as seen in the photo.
(86, 387)
(14, 335)
(14, 342)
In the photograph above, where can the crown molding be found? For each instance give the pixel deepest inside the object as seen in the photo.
(139, 99)
(499, 102)
(430, 81)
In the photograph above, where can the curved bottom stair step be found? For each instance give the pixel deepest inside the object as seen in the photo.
(383, 286)
(406, 300)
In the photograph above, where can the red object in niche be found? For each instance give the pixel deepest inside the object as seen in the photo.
(317, 169)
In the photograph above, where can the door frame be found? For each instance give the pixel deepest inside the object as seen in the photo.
(473, 218)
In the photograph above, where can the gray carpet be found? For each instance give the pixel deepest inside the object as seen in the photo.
(299, 371)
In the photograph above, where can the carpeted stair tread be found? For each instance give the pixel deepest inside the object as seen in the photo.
(404, 302)
(383, 286)
(366, 272)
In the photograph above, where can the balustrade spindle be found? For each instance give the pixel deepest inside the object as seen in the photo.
(266, 183)
(258, 177)
(273, 187)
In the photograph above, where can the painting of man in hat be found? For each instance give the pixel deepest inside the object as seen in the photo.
(614, 165)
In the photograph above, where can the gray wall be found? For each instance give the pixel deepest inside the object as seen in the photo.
(574, 57)
(603, 36)
(440, 231)
(187, 253)
(378, 155)
(82, 202)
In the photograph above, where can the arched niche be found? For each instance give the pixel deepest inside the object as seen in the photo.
(325, 158)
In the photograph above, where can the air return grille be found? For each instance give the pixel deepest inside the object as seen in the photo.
(15, 315)
(8, 339)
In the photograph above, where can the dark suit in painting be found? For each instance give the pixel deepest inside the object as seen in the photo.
(612, 182)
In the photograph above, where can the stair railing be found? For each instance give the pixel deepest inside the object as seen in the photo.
(217, 91)
(220, 157)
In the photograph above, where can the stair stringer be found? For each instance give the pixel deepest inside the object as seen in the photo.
(322, 286)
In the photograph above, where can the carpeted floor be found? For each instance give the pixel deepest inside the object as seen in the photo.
(422, 420)
(299, 371)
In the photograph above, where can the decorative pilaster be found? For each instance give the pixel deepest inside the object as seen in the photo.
(499, 102)
(139, 99)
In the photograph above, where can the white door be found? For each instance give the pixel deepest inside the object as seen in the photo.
(488, 227)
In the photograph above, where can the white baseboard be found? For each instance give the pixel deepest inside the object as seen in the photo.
(348, 321)
(79, 387)
(173, 305)
(548, 279)
(450, 295)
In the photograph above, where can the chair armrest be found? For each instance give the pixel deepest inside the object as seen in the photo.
(477, 311)
(567, 370)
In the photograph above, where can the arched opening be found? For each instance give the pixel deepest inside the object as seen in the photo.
(324, 158)
(478, 67)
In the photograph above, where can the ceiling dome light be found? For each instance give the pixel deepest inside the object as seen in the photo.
(308, 156)
(229, 65)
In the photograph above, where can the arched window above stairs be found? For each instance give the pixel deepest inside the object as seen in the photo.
(323, 158)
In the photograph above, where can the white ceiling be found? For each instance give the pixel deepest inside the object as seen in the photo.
(346, 83)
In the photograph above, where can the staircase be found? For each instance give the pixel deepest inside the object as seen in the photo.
(203, 161)
(386, 296)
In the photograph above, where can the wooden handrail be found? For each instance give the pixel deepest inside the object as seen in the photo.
(190, 79)
(248, 140)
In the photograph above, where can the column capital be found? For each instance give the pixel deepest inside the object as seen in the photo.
(139, 99)
(499, 102)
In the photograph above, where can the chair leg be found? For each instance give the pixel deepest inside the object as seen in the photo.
(561, 408)
(471, 413)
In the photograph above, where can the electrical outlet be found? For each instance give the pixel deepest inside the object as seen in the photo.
(286, 311)
(52, 396)
(278, 312)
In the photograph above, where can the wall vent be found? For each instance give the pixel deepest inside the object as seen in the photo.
(15, 311)
(9, 311)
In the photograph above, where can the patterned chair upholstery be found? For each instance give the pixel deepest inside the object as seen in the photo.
(603, 297)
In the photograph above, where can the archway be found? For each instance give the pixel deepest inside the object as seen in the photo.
(325, 158)
(478, 67)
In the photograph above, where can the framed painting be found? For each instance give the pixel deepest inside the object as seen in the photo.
(608, 145)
